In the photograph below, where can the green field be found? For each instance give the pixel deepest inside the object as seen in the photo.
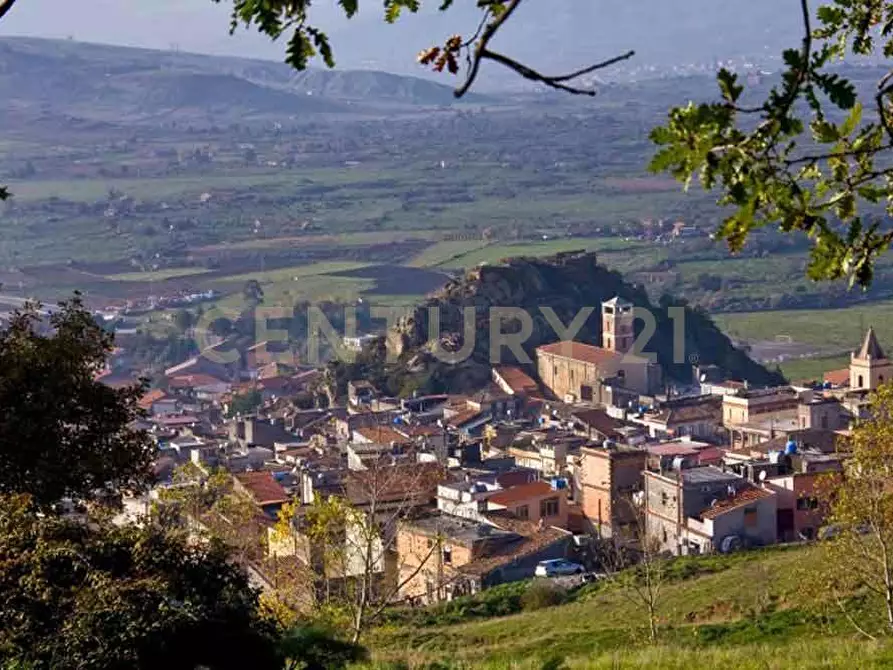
(740, 611)
(841, 328)
(806, 369)
(159, 275)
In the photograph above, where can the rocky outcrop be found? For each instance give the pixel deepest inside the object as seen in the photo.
(565, 284)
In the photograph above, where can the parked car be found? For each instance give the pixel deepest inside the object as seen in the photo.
(558, 567)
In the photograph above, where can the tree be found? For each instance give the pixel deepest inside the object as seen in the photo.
(245, 403)
(62, 432)
(351, 538)
(637, 565)
(97, 595)
(253, 291)
(858, 558)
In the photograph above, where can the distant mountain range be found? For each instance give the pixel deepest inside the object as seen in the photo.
(554, 35)
(85, 79)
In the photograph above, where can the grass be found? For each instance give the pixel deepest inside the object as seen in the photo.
(812, 368)
(169, 273)
(497, 252)
(293, 274)
(744, 610)
(443, 253)
(841, 328)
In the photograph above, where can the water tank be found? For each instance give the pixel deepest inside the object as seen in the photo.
(790, 448)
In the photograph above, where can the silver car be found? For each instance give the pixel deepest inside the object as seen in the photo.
(558, 567)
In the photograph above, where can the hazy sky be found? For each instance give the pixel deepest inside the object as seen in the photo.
(553, 33)
(195, 25)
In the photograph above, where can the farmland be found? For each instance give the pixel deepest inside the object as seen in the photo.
(378, 200)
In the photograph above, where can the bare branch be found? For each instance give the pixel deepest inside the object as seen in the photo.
(482, 52)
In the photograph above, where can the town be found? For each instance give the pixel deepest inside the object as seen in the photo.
(531, 474)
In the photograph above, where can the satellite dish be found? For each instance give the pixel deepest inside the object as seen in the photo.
(762, 475)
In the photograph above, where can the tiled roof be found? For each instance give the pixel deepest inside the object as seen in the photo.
(381, 434)
(508, 553)
(600, 421)
(581, 352)
(263, 487)
(516, 379)
(837, 377)
(194, 380)
(743, 496)
(150, 398)
(519, 493)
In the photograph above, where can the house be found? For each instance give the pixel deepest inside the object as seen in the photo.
(699, 417)
(609, 478)
(704, 509)
(360, 393)
(748, 405)
(156, 402)
(441, 557)
(572, 371)
(668, 455)
(263, 489)
(253, 431)
(540, 502)
(514, 381)
(597, 426)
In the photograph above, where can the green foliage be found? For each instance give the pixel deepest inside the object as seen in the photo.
(315, 648)
(541, 594)
(804, 159)
(245, 403)
(62, 433)
(99, 595)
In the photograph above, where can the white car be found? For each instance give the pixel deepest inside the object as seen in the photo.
(558, 567)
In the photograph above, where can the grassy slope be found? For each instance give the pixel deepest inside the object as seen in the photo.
(740, 611)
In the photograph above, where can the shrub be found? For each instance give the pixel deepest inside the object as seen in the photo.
(541, 594)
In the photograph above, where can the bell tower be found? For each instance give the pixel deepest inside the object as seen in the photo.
(618, 333)
(870, 367)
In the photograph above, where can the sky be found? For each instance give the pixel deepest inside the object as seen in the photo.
(556, 34)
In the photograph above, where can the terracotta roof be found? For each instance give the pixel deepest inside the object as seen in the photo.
(582, 352)
(508, 553)
(381, 434)
(518, 493)
(463, 417)
(600, 421)
(837, 377)
(150, 398)
(416, 483)
(194, 380)
(870, 347)
(516, 379)
(744, 496)
(263, 487)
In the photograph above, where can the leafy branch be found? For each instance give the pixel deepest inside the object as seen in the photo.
(762, 169)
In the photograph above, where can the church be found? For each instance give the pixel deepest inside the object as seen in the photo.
(869, 367)
(577, 372)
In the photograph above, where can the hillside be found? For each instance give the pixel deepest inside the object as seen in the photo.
(568, 283)
(740, 611)
(90, 80)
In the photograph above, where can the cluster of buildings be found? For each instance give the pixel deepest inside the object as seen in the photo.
(467, 491)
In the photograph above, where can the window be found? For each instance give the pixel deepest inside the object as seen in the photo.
(663, 498)
(860, 384)
(586, 393)
(572, 376)
(825, 421)
(447, 555)
(554, 369)
(750, 517)
(523, 512)
(549, 507)
(807, 503)
(664, 530)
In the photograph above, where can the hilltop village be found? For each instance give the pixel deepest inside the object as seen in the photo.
(469, 491)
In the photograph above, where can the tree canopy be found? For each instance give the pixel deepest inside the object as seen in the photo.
(63, 433)
(98, 595)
